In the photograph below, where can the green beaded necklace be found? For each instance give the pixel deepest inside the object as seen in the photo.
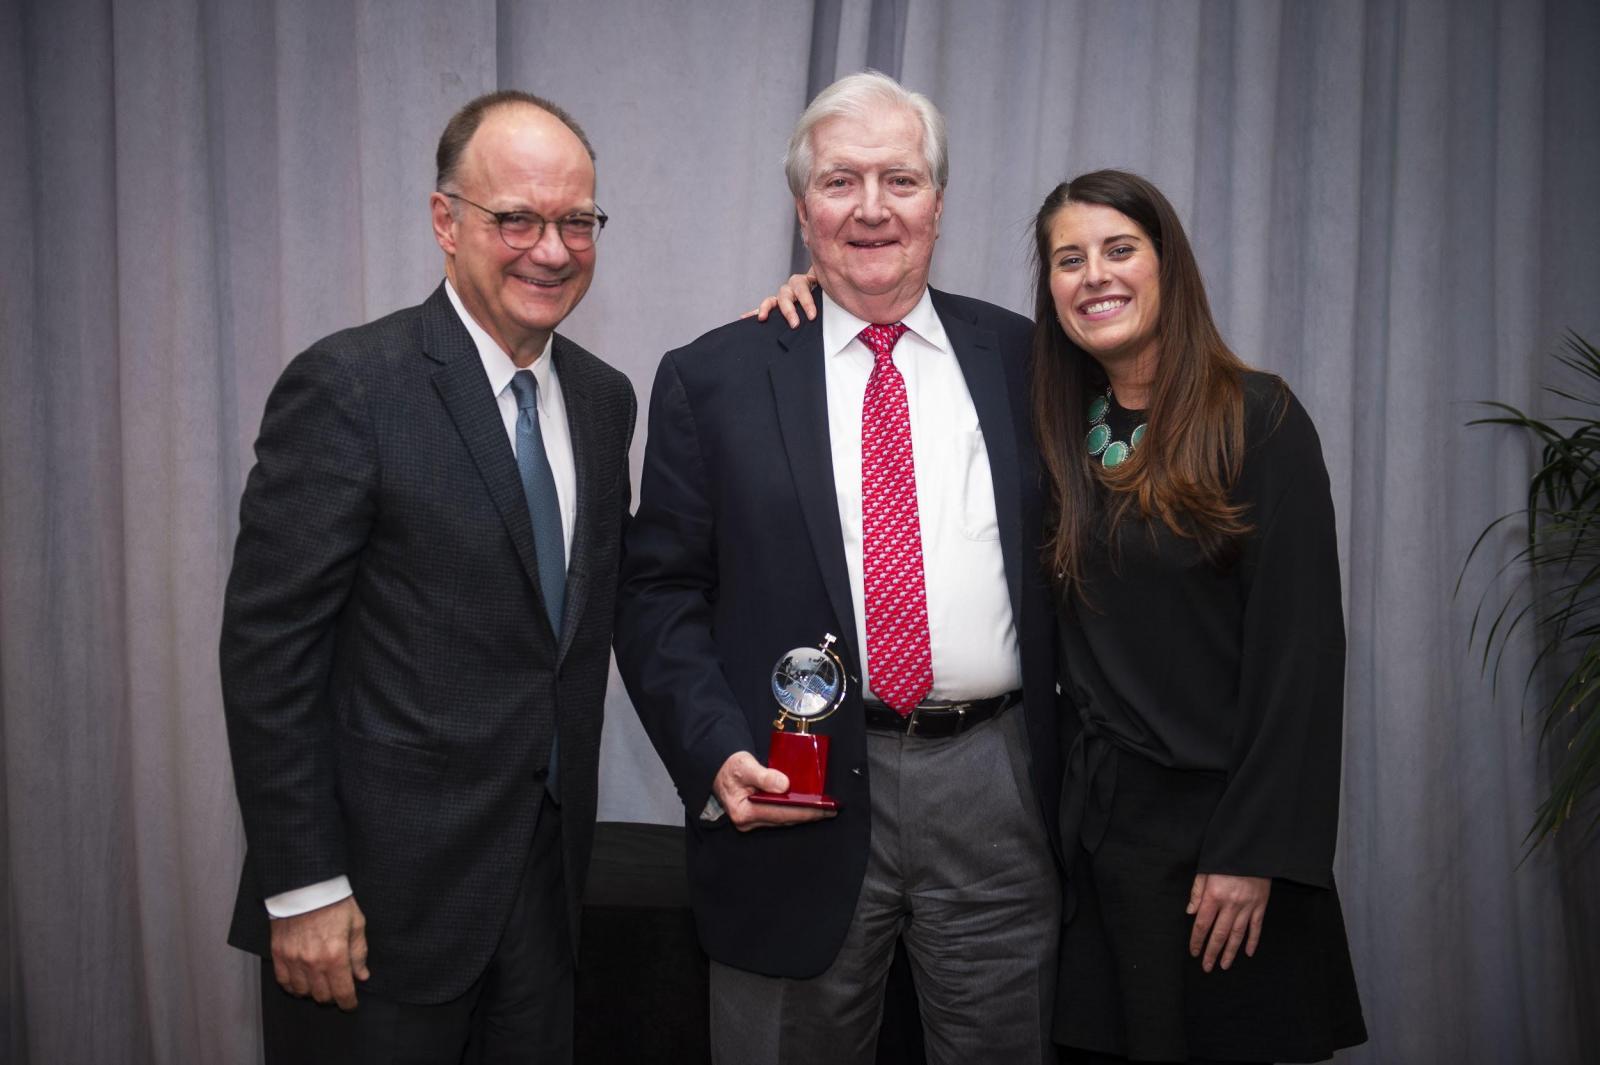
(1112, 452)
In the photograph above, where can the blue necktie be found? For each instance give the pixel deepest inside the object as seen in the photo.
(539, 486)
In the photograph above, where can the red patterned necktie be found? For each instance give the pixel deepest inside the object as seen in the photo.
(899, 660)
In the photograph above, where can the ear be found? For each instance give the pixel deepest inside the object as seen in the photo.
(938, 211)
(805, 221)
(444, 222)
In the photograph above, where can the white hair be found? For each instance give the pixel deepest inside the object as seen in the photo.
(856, 96)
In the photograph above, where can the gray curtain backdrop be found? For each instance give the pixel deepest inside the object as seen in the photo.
(1393, 203)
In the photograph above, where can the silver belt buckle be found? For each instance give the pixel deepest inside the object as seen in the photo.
(913, 720)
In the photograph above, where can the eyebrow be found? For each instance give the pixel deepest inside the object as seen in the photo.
(565, 213)
(857, 170)
(1109, 240)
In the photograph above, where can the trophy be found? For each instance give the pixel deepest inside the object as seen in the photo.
(809, 684)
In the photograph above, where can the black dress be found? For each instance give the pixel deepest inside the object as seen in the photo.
(1209, 704)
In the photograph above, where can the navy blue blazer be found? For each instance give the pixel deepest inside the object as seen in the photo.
(735, 556)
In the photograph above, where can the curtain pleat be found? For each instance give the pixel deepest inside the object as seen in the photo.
(1393, 202)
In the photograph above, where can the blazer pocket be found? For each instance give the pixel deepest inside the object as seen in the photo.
(366, 756)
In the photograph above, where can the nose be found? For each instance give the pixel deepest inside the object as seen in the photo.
(1095, 272)
(549, 250)
(871, 209)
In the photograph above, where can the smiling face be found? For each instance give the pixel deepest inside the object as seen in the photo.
(520, 159)
(870, 213)
(1105, 279)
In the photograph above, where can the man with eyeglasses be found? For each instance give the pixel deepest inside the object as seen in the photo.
(417, 630)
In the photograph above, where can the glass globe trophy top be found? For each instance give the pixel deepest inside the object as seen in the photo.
(809, 684)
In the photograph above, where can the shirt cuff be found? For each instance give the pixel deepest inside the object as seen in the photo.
(308, 898)
(713, 810)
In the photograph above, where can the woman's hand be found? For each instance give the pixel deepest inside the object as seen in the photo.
(1228, 911)
(794, 292)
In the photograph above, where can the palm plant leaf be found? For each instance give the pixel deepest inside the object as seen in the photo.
(1560, 592)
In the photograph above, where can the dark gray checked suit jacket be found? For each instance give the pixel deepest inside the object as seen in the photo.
(391, 681)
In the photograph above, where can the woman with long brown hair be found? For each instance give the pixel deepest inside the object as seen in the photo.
(1193, 550)
(1202, 644)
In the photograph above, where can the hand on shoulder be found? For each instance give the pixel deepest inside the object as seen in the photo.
(793, 296)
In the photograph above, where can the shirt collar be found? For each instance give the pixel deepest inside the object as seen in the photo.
(840, 327)
(496, 363)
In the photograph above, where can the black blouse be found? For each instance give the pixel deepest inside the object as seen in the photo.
(1235, 669)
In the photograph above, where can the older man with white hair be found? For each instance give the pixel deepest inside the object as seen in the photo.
(867, 475)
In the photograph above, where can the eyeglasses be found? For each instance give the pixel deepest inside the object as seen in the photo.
(522, 230)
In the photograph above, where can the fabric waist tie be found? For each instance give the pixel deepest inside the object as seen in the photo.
(1086, 796)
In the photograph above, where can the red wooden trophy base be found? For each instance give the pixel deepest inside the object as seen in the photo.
(803, 758)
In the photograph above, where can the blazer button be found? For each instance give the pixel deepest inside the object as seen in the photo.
(857, 772)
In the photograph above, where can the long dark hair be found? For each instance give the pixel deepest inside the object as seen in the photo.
(1189, 458)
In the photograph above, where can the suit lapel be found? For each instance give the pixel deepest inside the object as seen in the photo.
(977, 350)
(799, 387)
(464, 388)
(577, 396)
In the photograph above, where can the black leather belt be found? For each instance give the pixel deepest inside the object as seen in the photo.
(938, 720)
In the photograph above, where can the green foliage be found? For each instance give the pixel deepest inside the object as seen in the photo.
(1562, 557)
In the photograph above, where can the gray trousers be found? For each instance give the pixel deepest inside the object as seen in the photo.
(960, 870)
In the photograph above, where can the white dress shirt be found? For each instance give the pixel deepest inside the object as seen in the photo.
(972, 633)
(558, 448)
